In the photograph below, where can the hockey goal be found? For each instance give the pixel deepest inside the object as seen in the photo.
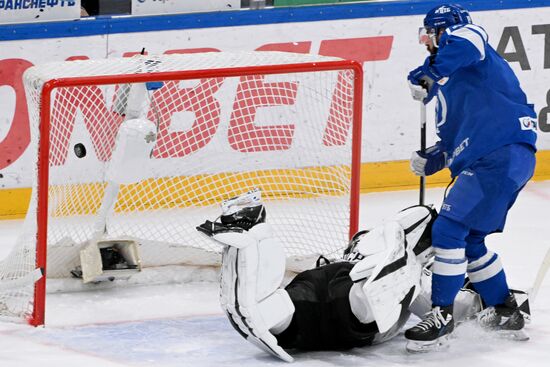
(224, 124)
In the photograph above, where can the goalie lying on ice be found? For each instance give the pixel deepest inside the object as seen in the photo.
(362, 299)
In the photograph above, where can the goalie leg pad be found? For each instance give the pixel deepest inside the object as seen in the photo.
(250, 294)
(383, 280)
(417, 224)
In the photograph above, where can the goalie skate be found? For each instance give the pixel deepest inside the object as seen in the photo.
(238, 214)
(249, 199)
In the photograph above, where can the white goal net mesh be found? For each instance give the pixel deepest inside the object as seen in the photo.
(219, 134)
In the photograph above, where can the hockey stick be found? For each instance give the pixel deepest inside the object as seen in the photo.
(133, 99)
(129, 103)
(422, 149)
(543, 269)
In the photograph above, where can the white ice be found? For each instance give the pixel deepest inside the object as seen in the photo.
(183, 325)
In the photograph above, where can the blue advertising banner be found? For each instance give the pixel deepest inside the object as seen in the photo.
(27, 11)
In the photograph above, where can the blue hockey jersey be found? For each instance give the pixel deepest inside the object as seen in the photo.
(481, 107)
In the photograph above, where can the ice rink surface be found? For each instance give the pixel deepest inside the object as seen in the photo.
(183, 325)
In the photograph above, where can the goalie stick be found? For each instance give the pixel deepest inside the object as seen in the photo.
(422, 149)
(129, 102)
(134, 144)
(543, 269)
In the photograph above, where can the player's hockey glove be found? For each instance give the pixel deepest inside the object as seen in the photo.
(424, 81)
(433, 160)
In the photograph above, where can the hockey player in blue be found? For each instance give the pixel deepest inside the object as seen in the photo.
(487, 134)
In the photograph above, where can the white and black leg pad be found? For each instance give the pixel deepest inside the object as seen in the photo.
(386, 280)
(253, 267)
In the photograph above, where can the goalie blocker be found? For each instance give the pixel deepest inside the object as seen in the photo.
(107, 260)
(360, 300)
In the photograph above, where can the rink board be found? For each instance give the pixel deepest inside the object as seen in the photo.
(383, 36)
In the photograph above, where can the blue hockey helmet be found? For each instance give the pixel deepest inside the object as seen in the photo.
(442, 17)
(446, 15)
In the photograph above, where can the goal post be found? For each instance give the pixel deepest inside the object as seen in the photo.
(288, 124)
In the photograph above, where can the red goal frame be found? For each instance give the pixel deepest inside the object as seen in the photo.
(38, 315)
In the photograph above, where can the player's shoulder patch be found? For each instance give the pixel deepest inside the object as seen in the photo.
(475, 34)
(466, 31)
(452, 28)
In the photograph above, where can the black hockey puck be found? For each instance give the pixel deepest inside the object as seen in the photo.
(80, 150)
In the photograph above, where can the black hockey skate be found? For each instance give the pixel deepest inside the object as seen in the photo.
(505, 319)
(432, 333)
